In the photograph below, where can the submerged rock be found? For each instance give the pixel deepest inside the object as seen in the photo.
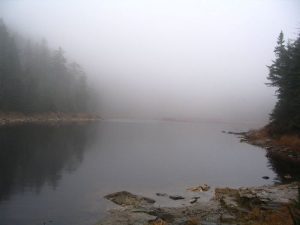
(125, 198)
(236, 133)
(161, 194)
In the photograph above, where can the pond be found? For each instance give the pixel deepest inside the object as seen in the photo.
(58, 175)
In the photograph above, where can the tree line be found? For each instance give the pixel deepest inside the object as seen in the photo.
(284, 74)
(36, 79)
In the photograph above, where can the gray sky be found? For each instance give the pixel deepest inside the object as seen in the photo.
(166, 58)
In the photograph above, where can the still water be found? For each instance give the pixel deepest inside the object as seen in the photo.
(58, 175)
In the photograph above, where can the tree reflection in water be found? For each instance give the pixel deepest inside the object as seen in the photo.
(34, 155)
(286, 169)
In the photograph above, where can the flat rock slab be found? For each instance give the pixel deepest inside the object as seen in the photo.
(125, 198)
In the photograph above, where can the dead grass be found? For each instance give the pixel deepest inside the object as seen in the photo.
(292, 141)
(192, 221)
(262, 133)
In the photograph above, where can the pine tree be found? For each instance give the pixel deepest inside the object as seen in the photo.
(10, 84)
(284, 74)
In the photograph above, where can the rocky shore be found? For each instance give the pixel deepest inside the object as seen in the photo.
(272, 205)
(46, 118)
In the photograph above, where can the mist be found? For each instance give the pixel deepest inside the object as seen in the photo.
(191, 60)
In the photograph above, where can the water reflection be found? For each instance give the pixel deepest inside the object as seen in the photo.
(32, 156)
(287, 170)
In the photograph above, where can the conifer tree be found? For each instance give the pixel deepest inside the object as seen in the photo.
(284, 74)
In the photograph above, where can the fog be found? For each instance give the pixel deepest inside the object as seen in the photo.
(191, 60)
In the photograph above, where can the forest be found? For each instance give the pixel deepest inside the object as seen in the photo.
(36, 79)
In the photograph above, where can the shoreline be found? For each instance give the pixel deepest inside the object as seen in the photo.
(264, 205)
(285, 147)
(15, 118)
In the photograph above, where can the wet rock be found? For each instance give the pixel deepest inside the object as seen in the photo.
(199, 188)
(236, 133)
(162, 214)
(125, 198)
(176, 197)
(243, 140)
(161, 194)
(194, 200)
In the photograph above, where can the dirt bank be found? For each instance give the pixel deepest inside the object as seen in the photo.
(266, 205)
(45, 118)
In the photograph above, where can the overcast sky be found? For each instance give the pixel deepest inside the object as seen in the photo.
(166, 58)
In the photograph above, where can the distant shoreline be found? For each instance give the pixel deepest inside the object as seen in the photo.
(16, 118)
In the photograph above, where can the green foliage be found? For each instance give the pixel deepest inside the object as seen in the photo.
(284, 74)
(34, 78)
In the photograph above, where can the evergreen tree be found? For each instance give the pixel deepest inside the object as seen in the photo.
(284, 74)
(10, 84)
